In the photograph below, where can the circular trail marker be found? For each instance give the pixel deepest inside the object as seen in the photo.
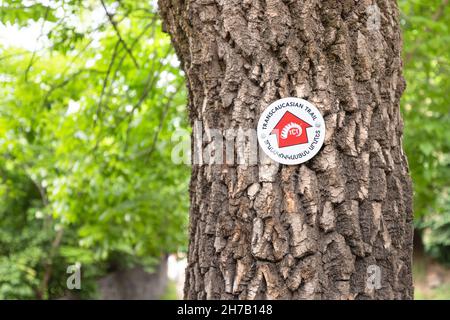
(291, 130)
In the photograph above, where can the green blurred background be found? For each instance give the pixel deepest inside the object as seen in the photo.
(90, 94)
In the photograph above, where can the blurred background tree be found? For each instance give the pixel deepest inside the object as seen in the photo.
(426, 26)
(90, 94)
(87, 112)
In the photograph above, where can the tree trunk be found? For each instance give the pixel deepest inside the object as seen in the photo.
(336, 227)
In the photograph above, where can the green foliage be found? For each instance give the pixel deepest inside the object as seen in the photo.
(425, 106)
(20, 12)
(426, 100)
(85, 128)
(19, 256)
(437, 232)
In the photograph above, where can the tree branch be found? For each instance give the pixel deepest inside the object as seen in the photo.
(105, 82)
(30, 63)
(116, 29)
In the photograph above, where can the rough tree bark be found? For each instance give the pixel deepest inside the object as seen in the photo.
(308, 231)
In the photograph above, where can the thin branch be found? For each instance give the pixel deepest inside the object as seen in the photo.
(116, 29)
(30, 63)
(440, 11)
(75, 57)
(146, 91)
(105, 82)
(122, 59)
(67, 81)
(49, 48)
(48, 268)
(12, 55)
(161, 123)
(151, 79)
(149, 151)
(42, 191)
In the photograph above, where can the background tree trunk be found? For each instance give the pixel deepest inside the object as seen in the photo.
(309, 231)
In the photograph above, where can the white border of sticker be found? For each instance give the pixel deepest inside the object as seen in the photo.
(295, 154)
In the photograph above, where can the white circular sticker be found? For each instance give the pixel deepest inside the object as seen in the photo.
(291, 130)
